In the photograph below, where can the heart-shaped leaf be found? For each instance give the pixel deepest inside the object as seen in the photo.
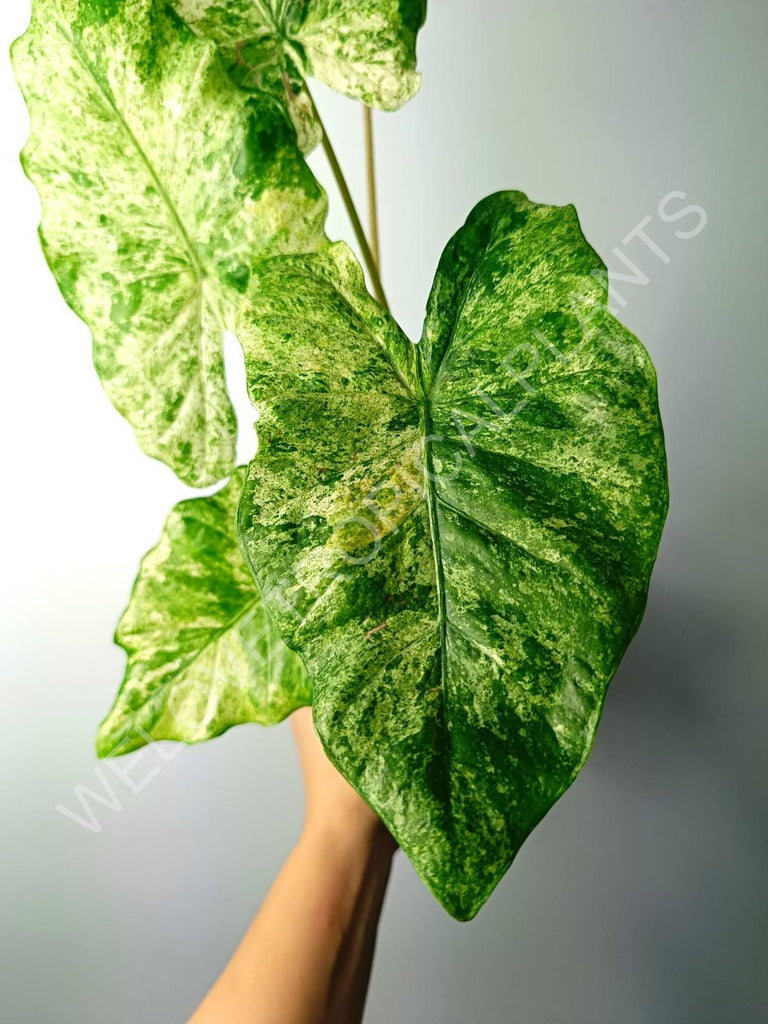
(161, 183)
(456, 536)
(203, 654)
(366, 50)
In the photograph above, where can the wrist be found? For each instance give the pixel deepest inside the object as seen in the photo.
(349, 834)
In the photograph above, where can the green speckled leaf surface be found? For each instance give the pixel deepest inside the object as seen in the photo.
(203, 654)
(254, 51)
(161, 183)
(456, 536)
(365, 49)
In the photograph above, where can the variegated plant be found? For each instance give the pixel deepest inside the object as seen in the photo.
(444, 548)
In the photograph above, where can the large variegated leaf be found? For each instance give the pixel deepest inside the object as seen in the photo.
(161, 183)
(203, 654)
(365, 49)
(456, 536)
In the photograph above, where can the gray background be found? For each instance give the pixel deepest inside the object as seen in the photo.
(643, 896)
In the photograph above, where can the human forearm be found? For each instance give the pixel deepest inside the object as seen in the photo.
(307, 955)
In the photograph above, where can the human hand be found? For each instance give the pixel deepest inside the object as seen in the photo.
(331, 805)
(308, 952)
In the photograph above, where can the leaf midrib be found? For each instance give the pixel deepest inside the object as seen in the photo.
(194, 258)
(434, 529)
(196, 265)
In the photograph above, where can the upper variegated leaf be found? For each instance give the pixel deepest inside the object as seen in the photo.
(365, 49)
(203, 654)
(161, 184)
(456, 536)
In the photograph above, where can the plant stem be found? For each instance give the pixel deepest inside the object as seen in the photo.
(346, 196)
(370, 164)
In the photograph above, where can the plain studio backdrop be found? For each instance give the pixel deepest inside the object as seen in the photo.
(642, 898)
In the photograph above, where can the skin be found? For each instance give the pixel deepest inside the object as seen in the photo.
(307, 955)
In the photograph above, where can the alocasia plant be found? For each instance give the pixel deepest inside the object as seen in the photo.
(161, 184)
(444, 547)
(456, 536)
